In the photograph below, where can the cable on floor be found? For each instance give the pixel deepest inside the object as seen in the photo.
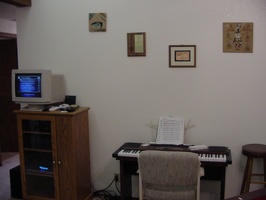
(105, 194)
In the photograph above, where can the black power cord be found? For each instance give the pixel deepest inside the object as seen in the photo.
(105, 194)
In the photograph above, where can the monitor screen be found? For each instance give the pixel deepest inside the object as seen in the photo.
(28, 85)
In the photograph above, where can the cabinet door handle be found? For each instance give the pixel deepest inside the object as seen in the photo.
(53, 161)
(59, 162)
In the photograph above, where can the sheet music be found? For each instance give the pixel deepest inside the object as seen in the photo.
(170, 131)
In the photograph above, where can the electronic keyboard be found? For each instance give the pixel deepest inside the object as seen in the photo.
(203, 157)
(214, 154)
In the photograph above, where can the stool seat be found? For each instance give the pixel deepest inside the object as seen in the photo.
(253, 151)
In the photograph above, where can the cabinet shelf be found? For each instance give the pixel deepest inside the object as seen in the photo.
(39, 173)
(37, 141)
(38, 150)
(36, 132)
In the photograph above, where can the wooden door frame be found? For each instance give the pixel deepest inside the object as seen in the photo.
(8, 35)
(8, 130)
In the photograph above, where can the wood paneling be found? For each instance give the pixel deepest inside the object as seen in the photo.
(20, 3)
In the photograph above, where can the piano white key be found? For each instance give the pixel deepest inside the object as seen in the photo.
(220, 158)
(128, 153)
(212, 158)
(217, 158)
(224, 158)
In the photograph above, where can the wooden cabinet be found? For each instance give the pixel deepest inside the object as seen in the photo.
(54, 155)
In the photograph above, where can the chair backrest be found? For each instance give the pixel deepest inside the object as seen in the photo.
(168, 175)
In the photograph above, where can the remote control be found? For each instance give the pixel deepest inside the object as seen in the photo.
(54, 108)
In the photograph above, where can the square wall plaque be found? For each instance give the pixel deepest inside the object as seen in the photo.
(238, 37)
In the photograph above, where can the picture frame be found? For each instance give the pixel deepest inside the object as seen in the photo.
(182, 56)
(136, 44)
(238, 37)
(97, 22)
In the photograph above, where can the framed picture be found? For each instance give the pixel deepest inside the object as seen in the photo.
(238, 37)
(136, 44)
(182, 55)
(97, 22)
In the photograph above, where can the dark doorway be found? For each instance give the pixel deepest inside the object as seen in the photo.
(8, 125)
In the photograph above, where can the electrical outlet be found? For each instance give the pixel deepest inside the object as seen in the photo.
(117, 177)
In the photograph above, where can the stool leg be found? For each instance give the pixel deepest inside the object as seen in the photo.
(247, 176)
(264, 166)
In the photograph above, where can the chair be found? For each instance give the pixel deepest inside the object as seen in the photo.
(169, 175)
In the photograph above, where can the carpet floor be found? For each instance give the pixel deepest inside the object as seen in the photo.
(9, 161)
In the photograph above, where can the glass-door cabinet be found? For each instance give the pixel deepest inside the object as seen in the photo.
(37, 156)
(54, 155)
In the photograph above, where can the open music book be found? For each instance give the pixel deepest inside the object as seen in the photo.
(170, 131)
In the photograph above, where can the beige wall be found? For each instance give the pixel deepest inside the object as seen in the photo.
(224, 96)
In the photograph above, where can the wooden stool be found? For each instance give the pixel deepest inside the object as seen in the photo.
(253, 151)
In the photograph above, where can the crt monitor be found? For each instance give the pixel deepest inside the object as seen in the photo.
(37, 87)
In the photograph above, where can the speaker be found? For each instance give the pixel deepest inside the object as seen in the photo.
(70, 100)
(15, 182)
